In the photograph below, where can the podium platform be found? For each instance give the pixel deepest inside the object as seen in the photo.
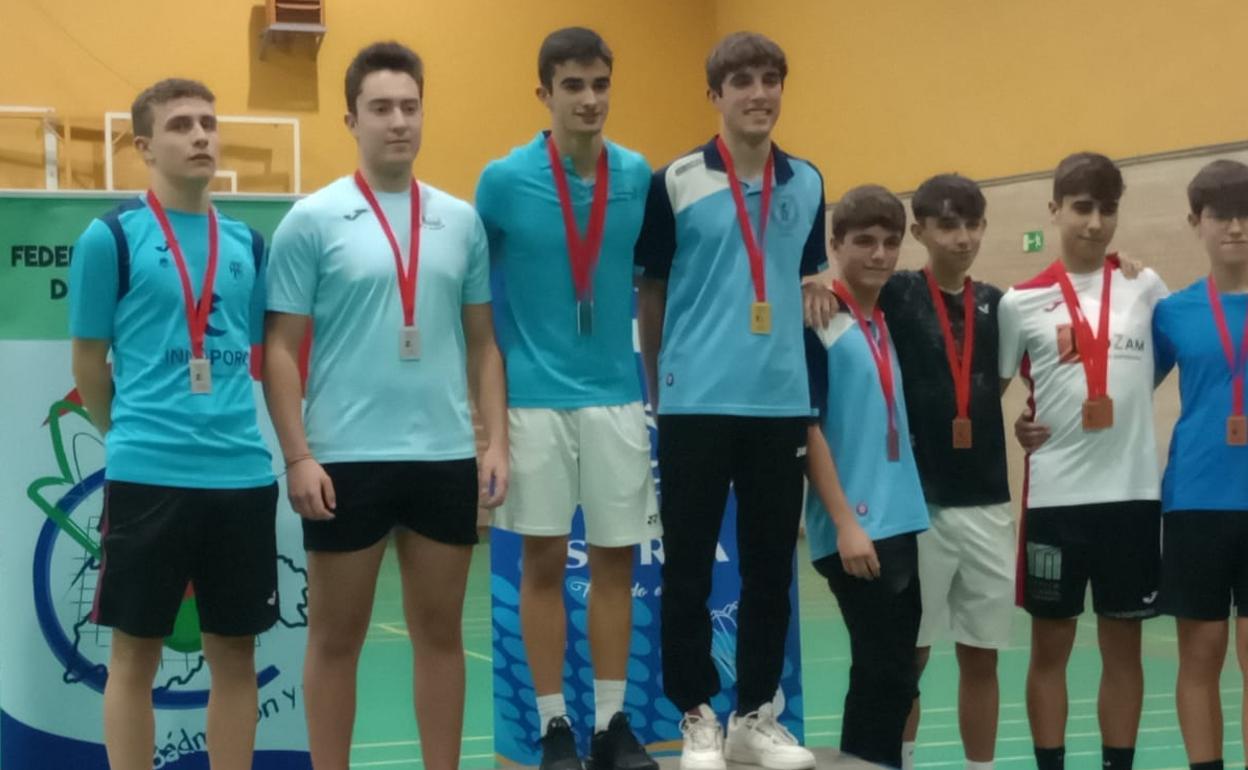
(825, 759)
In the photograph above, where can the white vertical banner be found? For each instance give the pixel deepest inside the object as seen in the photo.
(55, 661)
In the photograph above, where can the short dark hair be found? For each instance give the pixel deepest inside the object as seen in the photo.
(740, 50)
(382, 56)
(1088, 173)
(866, 206)
(1221, 186)
(578, 44)
(160, 93)
(948, 194)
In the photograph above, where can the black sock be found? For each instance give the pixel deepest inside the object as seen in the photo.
(1116, 758)
(1051, 759)
(1213, 764)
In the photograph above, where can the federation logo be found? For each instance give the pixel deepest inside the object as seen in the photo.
(784, 212)
(66, 568)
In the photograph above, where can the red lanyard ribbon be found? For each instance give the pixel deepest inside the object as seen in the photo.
(959, 367)
(407, 278)
(879, 352)
(1228, 347)
(196, 312)
(582, 252)
(1093, 348)
(753, 246)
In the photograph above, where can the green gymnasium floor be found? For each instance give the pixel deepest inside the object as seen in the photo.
(385, 730)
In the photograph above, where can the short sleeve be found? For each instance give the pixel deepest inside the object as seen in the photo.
(656, 246)
(490, 205)
(294, 264)
(259, 291)
(815, 252)
(892, 296)
(477, 281)
(1011, 345)
(1165, 355)
(993, 295)
(93, 283)
(817, 374)
(1157, 289)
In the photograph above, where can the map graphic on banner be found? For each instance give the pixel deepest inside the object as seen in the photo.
(53, 660)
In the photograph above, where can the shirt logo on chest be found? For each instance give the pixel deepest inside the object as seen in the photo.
(784, 212)
(209, 330)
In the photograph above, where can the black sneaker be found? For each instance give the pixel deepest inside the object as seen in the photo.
(616, 748)
(559, 746)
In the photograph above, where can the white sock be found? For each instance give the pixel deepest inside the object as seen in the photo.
(907, 755)
(608, 701)
(549, 707)
(978, 765)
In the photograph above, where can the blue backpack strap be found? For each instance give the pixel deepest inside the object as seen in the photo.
(257, 249)
(113, 220)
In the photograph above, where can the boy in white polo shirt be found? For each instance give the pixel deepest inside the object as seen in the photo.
(1080, 335)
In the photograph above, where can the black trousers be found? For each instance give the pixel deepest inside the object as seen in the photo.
(882, 616)
(763, 459)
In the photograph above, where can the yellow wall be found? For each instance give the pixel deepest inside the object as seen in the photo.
(87, 57)
(894, 91)
(879, 91)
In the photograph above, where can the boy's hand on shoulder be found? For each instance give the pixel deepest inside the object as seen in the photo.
(818, 300)
(1131, 268)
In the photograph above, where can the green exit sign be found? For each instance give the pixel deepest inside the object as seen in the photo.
(1033, 241)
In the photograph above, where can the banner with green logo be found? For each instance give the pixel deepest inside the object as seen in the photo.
(37, 234)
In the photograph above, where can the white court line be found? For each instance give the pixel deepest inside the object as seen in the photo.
(390, 744)
(1022, 704)
(1031, 758)
(400, 633)
(1027, 738)
(413, 761)
(938, 654)
(389, 639)
(925, 726)
(1229, 707)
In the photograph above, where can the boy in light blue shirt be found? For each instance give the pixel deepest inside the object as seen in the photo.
(393, 274)
(866, 505)
(563, 213)
(176, 293)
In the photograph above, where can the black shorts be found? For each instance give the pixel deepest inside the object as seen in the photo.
(1115, 546)
(437, 499)
(158, 542)
(1204, 564)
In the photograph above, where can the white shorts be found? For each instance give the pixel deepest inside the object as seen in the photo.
(966, 572)
(597, 457)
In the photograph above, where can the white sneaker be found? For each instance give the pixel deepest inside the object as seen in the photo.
(759, 739)
(703, 747)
